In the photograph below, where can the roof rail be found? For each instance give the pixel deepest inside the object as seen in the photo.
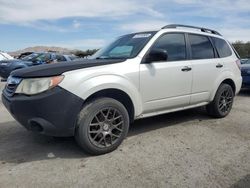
(192, 27)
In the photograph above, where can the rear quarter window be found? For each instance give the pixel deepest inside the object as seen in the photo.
(222, 47)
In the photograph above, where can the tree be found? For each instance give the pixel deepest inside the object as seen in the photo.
(242, 48)
(86, 53)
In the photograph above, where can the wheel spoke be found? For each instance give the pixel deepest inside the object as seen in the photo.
(108, 113)
(220, 105)
(101, 140)
(96, 135)
(103, 115)
(114, 135)
(94, 124)
(97, 119)
(113, 114)
(116, 118)
(105, 141)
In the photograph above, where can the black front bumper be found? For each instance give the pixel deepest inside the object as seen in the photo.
(53, 112)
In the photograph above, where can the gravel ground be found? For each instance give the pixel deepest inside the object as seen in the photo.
(183, 149)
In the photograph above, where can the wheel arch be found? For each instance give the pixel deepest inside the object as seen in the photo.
(231, 83)
(118, 95)
(228, 81)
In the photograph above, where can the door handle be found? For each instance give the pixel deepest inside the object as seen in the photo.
(186, 69)
(219, 65)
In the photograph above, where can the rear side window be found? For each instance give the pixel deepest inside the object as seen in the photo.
(60, 58)
(201, 47)
(174, 44)
(222, 47)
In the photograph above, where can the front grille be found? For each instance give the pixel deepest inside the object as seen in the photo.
(11, 86)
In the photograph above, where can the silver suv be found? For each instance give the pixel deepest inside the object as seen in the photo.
(138, 75)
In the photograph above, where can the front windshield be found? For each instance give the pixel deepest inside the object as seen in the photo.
(36, 57)
(30, 57)
(127, 46)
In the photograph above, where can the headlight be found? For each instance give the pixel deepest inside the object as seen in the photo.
(33, 86)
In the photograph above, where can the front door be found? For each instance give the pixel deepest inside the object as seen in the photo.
(167, 84)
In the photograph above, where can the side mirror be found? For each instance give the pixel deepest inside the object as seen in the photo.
(156, 55)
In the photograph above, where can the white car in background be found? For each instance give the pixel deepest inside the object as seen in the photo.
(5, 56)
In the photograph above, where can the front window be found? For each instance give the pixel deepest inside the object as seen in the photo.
(37, 57)
(30, 57)
(174, 44)
(125, 47)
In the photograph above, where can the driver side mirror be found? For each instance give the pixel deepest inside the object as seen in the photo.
(156, 55)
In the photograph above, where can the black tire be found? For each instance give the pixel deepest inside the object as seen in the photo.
(103, 120)
(223, 101)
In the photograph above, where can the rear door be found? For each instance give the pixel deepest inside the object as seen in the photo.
(207, 66)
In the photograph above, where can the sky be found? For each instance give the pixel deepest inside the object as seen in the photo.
(88, 24)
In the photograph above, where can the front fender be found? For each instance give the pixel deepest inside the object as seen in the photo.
(95, 84)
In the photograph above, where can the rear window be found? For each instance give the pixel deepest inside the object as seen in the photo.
(201, 47)
(222, 47)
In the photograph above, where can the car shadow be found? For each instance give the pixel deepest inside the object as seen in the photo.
(152, 123)
(18, 145)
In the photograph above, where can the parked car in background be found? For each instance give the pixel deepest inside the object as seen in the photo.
(7, 66)
(245, 61)
(71, 57)
(245, 73)
(5, 56)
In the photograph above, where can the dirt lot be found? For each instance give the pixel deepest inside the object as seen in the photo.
(184, 149)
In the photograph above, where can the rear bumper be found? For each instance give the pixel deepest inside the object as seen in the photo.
(53, 112)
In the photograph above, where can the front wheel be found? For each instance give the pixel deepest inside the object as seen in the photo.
(223, 101)
(102, 126)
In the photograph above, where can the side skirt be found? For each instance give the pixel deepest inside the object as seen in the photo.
(171, 110)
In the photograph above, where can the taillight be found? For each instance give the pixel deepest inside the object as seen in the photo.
(238, 63)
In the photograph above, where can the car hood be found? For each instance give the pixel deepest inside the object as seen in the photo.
(15, 61)
(59, 68)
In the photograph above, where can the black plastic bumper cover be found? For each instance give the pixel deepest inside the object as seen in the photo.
(53, 112)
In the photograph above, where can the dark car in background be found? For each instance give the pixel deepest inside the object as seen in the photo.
(7, 66)
(245, 73)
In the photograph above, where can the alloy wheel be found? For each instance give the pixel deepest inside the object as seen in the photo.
(106, 127)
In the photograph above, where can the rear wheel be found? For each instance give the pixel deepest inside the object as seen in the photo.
(102, 126)
(222, 103)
